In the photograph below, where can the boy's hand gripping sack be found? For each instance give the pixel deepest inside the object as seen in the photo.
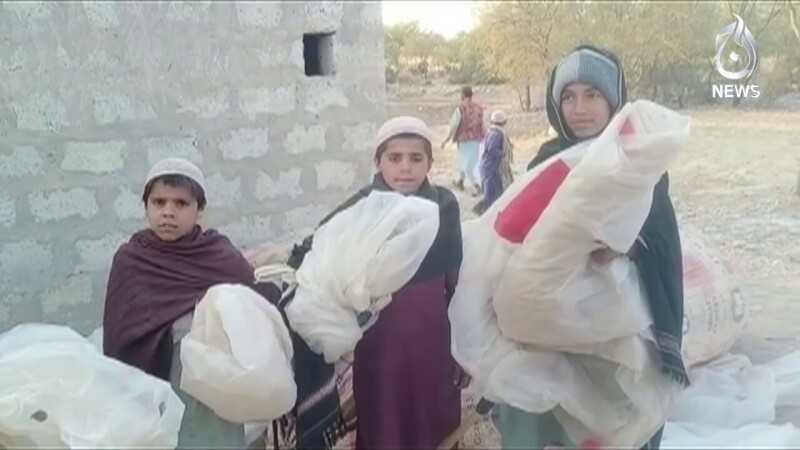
(237, 357)
(358, 259)
(58, 391)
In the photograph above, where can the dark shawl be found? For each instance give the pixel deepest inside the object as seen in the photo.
(323, 423)
(154, 283)
(658, 259)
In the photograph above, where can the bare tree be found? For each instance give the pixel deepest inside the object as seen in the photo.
(793, 19)
(521, 37)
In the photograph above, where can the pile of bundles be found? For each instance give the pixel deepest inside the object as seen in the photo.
(57, 389)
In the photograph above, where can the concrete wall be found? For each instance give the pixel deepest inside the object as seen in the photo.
(93, 93)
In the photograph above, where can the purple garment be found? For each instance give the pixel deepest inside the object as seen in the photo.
(403, 372)
(491, 176)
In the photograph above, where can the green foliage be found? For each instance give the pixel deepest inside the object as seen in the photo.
(667, 48)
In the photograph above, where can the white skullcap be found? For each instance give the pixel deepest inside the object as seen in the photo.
(177, 166)
(499, 117)
(402, 125)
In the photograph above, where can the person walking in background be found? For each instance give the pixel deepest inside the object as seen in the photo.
(467, 131)
(496, 172)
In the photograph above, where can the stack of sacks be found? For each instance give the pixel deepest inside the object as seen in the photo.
(537, 324)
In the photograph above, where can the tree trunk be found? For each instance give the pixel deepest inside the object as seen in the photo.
(793, 20)
(520, 98)
(527, 96)
(798, 183)
(524, 95)
(797, 190)
(651, 79)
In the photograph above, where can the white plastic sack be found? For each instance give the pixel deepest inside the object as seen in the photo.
(482, 435)
(590, 398)
(58, 391)
(595, 365)
(358, 260)
(729, 392)
(787, 379)
(731, 404)
(757, 435)
(254, 434)
(237, 357)
(715, 310)
(549, 293)
(96, 339)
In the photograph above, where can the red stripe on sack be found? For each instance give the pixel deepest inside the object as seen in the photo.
(627, 128)
(516, 220)
(591, 444)
(695, 271)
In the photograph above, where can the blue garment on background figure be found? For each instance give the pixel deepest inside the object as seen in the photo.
(468, 152)
(492, 185)
(491, 178)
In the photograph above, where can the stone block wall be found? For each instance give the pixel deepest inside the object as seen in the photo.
(92, 93)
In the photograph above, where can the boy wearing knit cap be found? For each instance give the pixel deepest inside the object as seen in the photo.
(403, 155)
(586, 89)
(157, 278)
(406, 384)
(174, 198)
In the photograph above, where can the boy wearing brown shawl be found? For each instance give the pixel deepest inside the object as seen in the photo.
(156, 280)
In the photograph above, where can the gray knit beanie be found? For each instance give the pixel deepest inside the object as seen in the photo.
(590, 67)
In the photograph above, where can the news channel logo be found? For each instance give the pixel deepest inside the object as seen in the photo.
(734, 42)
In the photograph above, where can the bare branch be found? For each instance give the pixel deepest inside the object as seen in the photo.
(793, 20)
(772, 14)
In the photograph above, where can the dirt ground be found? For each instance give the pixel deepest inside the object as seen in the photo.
(735, 183)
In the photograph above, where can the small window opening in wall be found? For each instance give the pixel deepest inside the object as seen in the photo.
(318, 54)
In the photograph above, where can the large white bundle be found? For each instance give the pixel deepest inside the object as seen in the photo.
(549, 294)
(358, 259)
(594, 363)
(237, 357)
(58, 391)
